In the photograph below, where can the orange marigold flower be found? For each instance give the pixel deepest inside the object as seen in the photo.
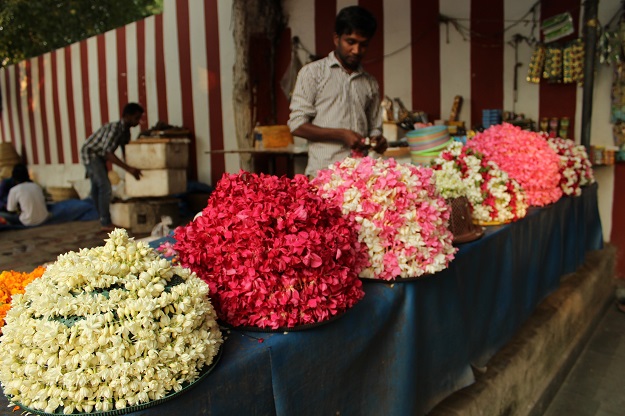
(12, 282)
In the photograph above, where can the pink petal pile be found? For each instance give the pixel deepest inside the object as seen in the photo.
(575, 166)
(397, 213)
(274, 253)
(525, 156)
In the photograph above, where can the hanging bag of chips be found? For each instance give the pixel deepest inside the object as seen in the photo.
(553, 64)
(536, 64)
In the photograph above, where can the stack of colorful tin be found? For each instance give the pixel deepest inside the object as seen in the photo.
(427, 142)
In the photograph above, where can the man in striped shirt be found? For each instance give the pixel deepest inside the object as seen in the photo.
(98, 149)
(335, 103)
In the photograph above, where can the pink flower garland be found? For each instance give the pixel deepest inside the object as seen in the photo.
(397, 213)
(526, 156)
(273, 252)
(575, 166)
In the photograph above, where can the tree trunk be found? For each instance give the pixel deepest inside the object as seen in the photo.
(251, 17)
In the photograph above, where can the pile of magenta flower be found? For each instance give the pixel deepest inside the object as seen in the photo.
(273, 252)
(397, 212)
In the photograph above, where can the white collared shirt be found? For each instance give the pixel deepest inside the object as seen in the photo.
(327, 96)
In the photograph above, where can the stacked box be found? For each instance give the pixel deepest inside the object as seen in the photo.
(141, 216)
(157, 182)
(163, 163)
(158, 153)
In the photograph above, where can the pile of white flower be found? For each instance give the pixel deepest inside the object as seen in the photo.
(107, 328)
(495, 197)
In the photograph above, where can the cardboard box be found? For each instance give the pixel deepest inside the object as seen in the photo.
(154, 153)
(141, 216)
(157, 182)
(275, 136)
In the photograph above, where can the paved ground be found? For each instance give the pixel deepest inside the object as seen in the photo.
(25, 249)
(596, 384)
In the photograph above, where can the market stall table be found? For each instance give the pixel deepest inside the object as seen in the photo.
(405, 346)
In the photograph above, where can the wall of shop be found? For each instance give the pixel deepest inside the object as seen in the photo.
(179, 65)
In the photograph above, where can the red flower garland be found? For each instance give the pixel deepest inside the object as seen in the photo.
(274, 253)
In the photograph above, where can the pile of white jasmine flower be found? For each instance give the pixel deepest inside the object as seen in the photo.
(107, 328)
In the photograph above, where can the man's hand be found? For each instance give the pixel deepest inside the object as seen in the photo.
(380, 144)
(135, 172)
(352, 139)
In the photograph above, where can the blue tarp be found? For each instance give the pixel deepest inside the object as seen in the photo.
(405, 346)
(65, 211)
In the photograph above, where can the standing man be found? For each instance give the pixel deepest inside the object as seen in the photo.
(98, 149)
(336, 104)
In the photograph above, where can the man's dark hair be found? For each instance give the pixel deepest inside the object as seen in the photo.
(20, 173)
(132, 109)
(355, 19)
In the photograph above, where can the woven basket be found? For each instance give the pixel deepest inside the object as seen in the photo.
(62, 193)
(8, 159)
(460, 222)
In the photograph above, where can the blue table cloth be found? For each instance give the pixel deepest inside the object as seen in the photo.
(405, 346)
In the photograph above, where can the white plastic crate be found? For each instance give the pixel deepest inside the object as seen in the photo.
(158, 153)
(141, 216)
(157, 182)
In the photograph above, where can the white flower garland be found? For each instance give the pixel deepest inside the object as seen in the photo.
(107, 328)
(461, 172)
(575, 166)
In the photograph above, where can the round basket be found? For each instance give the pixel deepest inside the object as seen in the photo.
(460, 221)
(62, 193)
(8, 155)
(425, 157)
(426, 131)
(429, 141)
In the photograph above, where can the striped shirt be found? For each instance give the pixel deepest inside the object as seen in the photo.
(106, 139)
(327, 96)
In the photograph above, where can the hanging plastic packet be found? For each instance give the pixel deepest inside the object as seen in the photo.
(537, 62)
(552, 71)
(573, 62)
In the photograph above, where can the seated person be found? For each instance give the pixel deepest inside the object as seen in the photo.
(5, 186)
(27, 199)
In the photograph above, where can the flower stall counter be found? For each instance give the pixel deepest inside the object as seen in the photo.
(403, 347)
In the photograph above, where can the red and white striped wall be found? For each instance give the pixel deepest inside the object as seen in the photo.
(179, 66)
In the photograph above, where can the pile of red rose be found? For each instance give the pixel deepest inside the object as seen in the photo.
(274, 253)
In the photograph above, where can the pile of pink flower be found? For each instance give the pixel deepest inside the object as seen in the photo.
(525, 156)
(397, 213)
(494, 196)
(575, 166)
(274, 253)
